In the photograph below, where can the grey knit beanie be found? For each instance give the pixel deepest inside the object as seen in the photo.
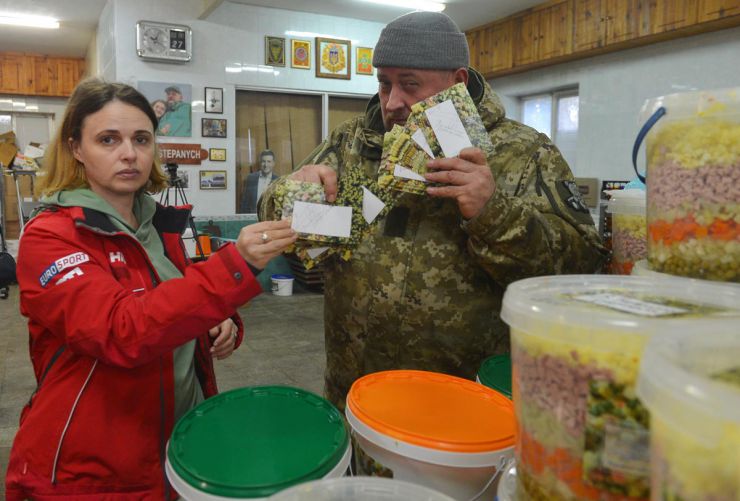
(424, 40)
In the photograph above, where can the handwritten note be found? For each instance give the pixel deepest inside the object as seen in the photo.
(448, 128)
(405, 173)
(371, 205)
(320, 219)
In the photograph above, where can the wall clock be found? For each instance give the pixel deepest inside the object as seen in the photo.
(164, 42)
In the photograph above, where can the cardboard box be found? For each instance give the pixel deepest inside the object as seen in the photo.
(589, 188)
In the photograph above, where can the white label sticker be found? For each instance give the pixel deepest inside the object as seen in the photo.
(448, 128)
(421, 140)
(320, 219)
(407, 173)
(371, 205)
(629, 304)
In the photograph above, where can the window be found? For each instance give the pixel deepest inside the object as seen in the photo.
(556, 115)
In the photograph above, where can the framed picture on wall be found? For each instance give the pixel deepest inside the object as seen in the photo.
(213, 127)
(274, 51)
(333, 58)
(217, 154)
(364, 61)
(214, 100)
(300, 54)
(213, 180)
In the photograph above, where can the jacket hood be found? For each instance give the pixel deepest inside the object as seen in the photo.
(489, 104)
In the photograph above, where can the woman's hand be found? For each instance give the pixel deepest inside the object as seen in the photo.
(258, 243)
(225, 342)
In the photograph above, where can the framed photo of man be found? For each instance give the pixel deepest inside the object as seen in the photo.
(333, 58)
(214, 100)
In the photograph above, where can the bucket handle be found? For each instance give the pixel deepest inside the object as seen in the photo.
(641, 135)
(502, 465)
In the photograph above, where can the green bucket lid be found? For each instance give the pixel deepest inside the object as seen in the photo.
(495, 372)
(252, 442)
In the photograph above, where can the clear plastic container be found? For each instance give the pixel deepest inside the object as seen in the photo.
(576, 345)
(691, 385)
(693, 175)
(359, 489)
(629, 229)
(642, 269)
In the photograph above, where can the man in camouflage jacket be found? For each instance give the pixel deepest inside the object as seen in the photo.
(424, 289)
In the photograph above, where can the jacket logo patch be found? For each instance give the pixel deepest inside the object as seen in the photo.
(75, 272)
(571, 196)
(62, 264)
(117, 257)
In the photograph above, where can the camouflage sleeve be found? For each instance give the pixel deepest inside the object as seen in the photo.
(326, 153)
(539, 226)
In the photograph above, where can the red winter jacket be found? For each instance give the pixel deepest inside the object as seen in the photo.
(102, 335)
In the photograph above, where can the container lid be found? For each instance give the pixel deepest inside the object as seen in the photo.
(580, 307)
(626, 201)
(688, 375)
(252, 442)
(282, 277)
(433, 410)
(359, 489)
(717, 103)
(495, 372)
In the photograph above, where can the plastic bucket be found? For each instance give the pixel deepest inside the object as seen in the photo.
(282, 285)
(576, 345)
(629, 240)
(693, 170)
(507, 485)
(359, 489)
(250, 443)
(691, 384)
(443, 432)
(495, 372)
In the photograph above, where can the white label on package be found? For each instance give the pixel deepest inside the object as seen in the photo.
(420, 139)
(371, 205)
(406, 173)
(316, 252)
(448, 128)
(630, 305)
(320, 219)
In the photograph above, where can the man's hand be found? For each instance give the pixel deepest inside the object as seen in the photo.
(225, 342)
(468, 177)
(320, 174)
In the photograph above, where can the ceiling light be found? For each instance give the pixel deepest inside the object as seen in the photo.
(412, 4)
(30, 21)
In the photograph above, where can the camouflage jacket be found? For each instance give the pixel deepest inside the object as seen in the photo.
(424, 290)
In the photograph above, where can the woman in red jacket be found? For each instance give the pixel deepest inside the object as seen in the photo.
(122, 327)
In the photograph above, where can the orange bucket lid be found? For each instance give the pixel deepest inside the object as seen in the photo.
(434, 410)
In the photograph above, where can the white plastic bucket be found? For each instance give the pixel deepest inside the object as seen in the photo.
(253, 442)
(282, 285)
(359, 489)
(190, 493)
(446, 433)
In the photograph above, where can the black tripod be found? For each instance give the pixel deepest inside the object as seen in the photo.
(175, 183)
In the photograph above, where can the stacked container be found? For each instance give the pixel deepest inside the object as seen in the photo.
(690, 382)
(576, 346)
(629, 240)
(693, 180)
